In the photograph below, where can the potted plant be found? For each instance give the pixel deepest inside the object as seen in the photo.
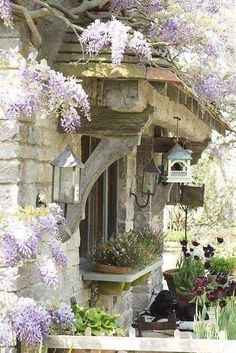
(129, 250)
(190, 269)
(219, 264)
(218, 298)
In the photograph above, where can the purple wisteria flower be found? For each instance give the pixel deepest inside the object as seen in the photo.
(210, 86)
(8, 278)
(30, 321)
(123, 4)
(10, 250)
(50, 224)
(70, 121)
(114, 33)
(6, 12)
(6, 335)
(213, 6)
(62, 316)
(58, 254)
(43, 90)
(140, 46)
(48, 273)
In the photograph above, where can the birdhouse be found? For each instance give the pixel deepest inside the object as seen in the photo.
(177, 168)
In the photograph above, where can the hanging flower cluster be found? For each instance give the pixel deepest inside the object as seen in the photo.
(31, 322)
(43, 90)
(6, 12)
(115, 34)
(22, 234)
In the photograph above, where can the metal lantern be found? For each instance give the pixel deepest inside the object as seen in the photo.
(150, 177)
(66, 178)
(177, 165)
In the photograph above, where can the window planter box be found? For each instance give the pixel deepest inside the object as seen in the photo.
(115, 284)
(89, 275)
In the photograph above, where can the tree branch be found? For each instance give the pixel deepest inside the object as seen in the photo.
(89, 5)
(36, 37)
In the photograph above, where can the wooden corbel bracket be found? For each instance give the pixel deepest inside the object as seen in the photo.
(109, 150)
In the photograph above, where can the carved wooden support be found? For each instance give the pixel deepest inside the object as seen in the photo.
(109, 150)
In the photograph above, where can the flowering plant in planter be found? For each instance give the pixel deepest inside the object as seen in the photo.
(131, 249)
(196, 260)
(217, 297)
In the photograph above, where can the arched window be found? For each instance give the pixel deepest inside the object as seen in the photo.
(101, 208)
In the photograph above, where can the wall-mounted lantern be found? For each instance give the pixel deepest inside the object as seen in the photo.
(151, 175)
(66, 178)
(177, 165)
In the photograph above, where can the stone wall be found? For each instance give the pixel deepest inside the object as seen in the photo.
(27, 147)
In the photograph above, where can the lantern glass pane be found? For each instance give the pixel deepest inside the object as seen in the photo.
(66, 188)
(149, 183)
(56, 183)
(76, 176)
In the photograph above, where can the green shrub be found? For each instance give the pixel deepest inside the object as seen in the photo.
(176, 236)
(101, 322)
(221, 264)
(189, 270)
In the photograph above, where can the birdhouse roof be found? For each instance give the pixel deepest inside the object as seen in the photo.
(177, 152)
(67, 159)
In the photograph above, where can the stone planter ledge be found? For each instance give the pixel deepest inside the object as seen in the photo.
(89, 275)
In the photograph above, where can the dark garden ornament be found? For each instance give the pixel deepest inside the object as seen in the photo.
(151, 175)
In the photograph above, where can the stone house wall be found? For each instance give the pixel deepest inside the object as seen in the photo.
(26, 149)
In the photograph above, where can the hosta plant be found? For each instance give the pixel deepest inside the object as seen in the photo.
(101, 322)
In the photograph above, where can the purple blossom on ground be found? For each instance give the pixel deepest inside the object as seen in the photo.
(48, 273)
(62, 316)
(30, 321)
(58, 254)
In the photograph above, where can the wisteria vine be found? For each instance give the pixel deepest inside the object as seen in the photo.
(39, 89)
(23, 233)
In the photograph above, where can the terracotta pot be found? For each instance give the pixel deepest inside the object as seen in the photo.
(184, 297)
(111, 269)
(169, 277)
